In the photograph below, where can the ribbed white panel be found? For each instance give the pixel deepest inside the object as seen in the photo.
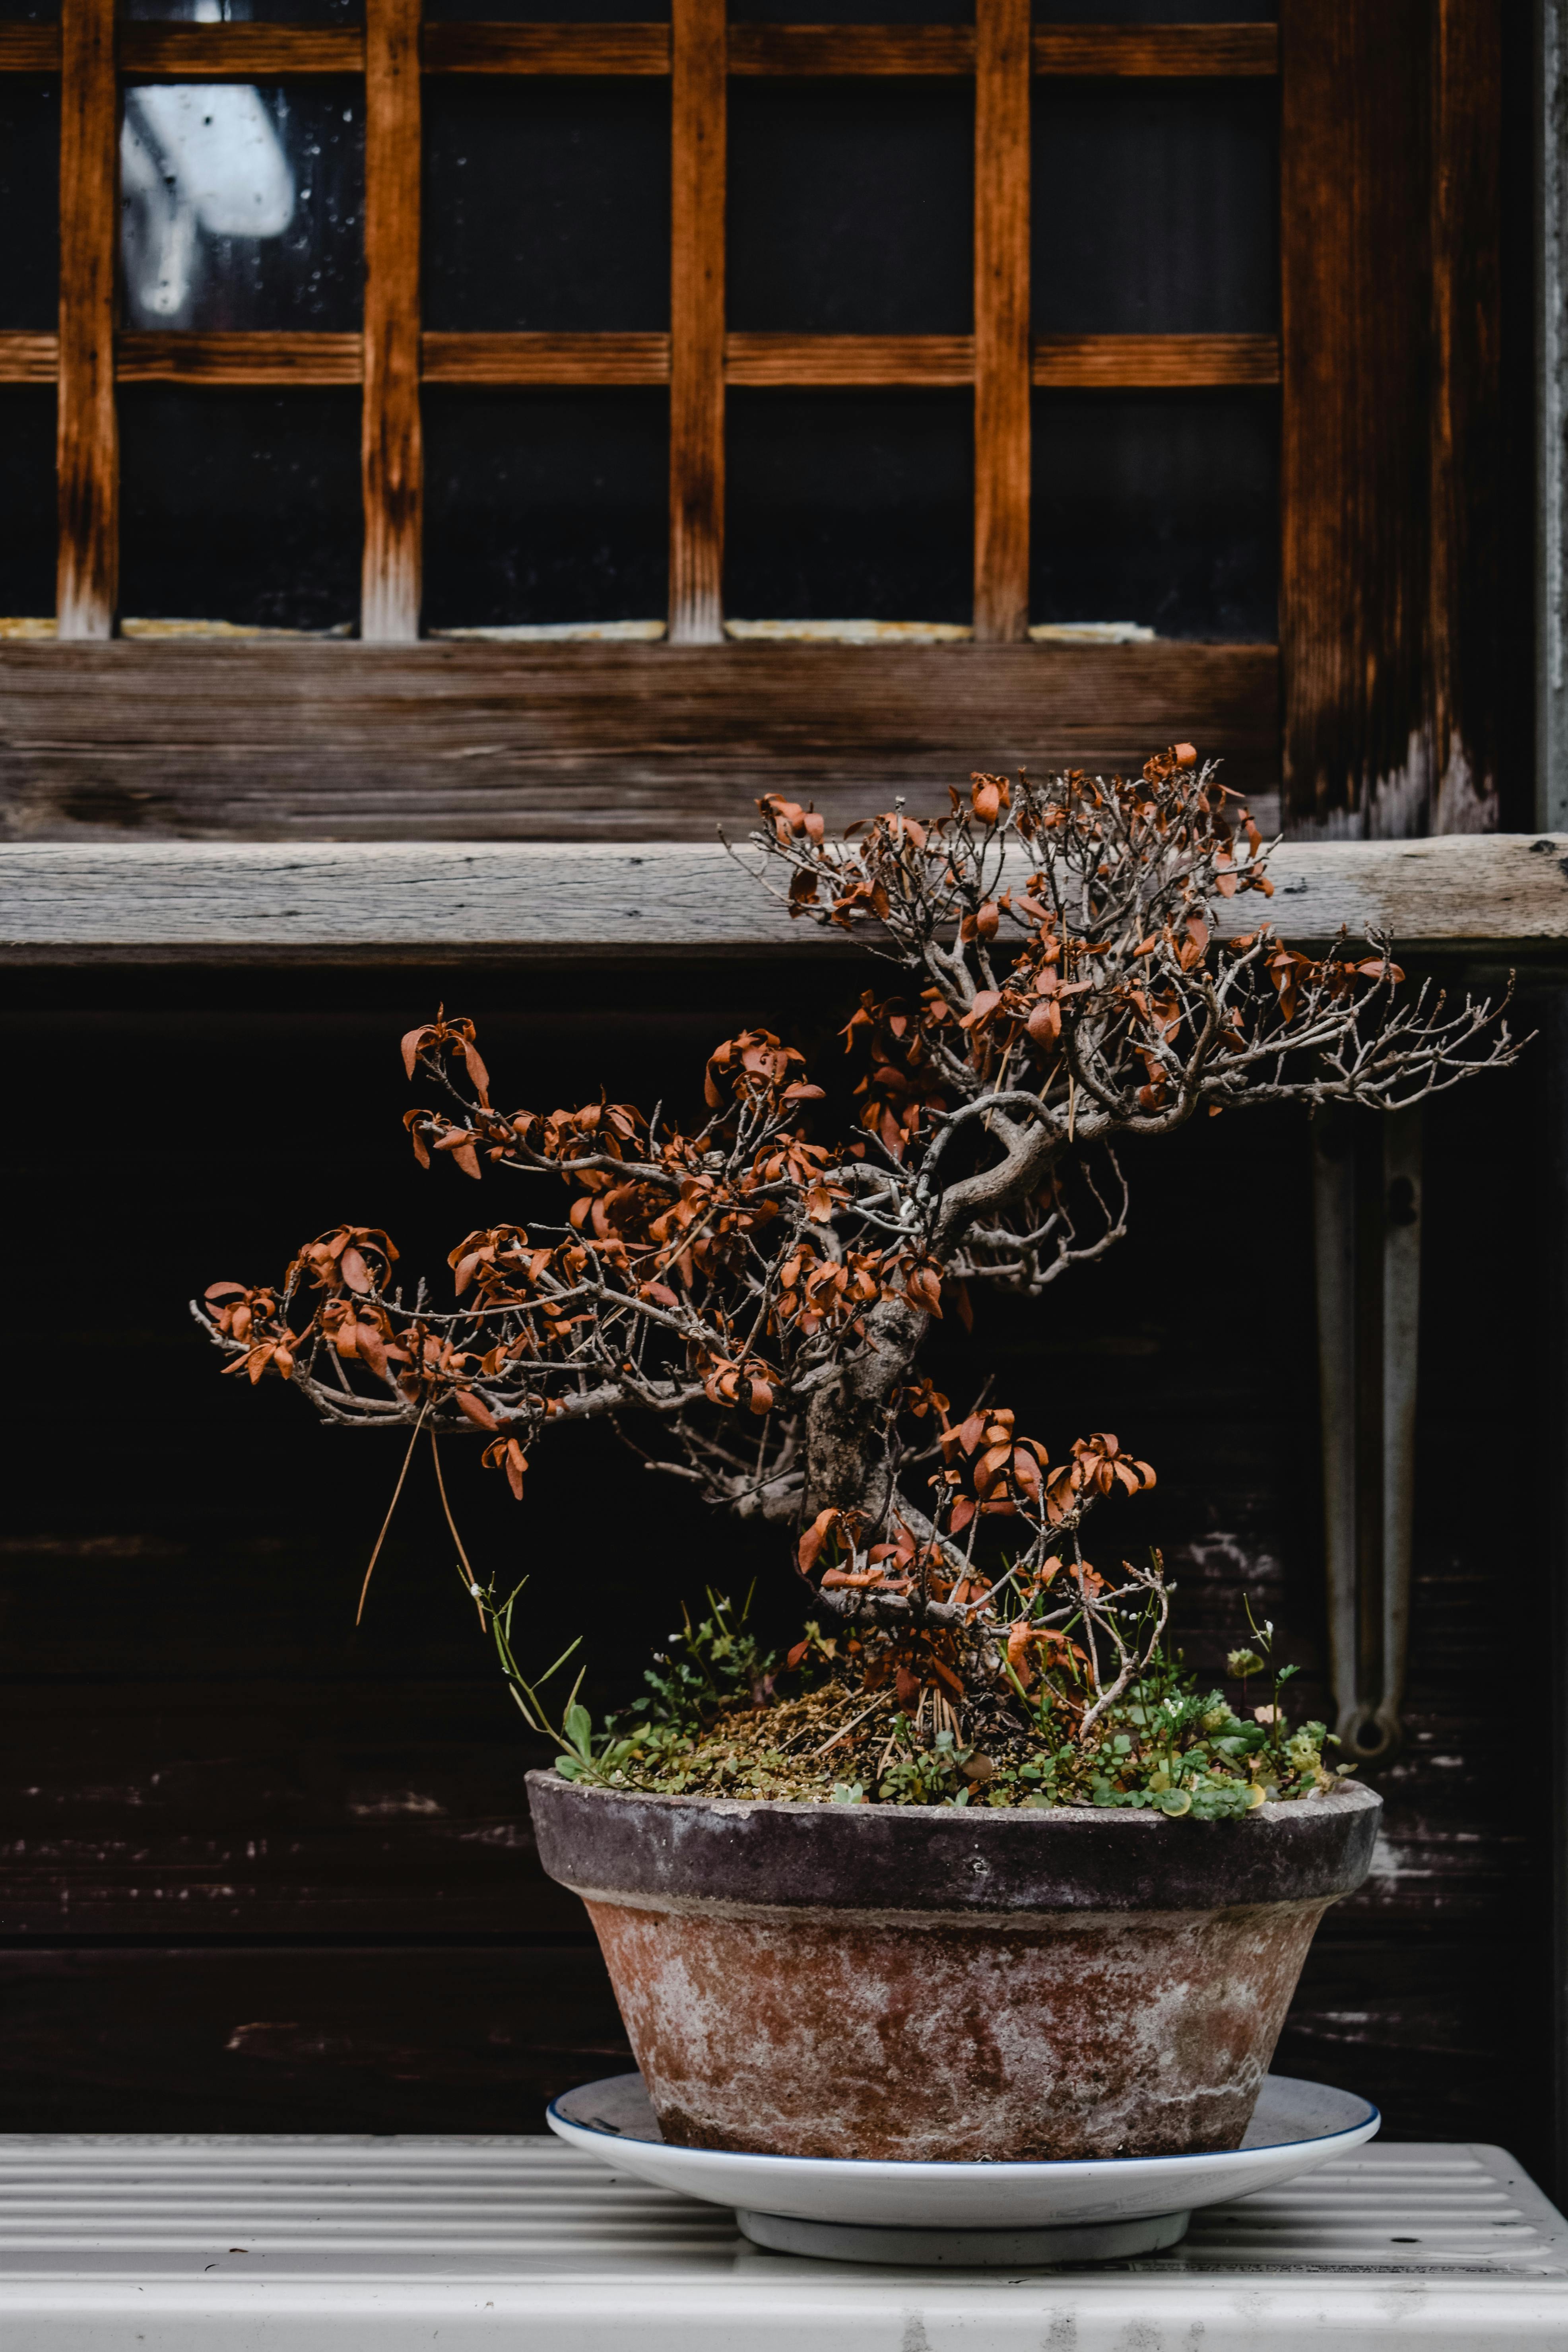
(382, 2245)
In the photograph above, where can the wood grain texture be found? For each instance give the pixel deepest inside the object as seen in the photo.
(305, 357)
(538, 358)
(698, 134)
(578, 741)
(390, 440)
(1157, 51)
(754, 359)
(301, 2036)
(1354, 156)
(1126, 362)
(26, 358)
(269, 1807)
(851, 49)
(29, 48)
(1002, 322)
(86, 435)
(1467, 414)
(428, 903)
(247, 52)
(241, 52)
(545, 48)
(1391, 134)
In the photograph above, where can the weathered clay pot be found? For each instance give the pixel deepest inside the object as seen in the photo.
(927, 1983)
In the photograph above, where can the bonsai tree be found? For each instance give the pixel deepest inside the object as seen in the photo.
(745, 1298)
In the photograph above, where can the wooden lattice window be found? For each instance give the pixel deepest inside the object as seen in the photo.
(700, 59)
(1269, 331)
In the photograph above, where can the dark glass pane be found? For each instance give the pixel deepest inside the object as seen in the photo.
(242, 207)
(851, 207)
(1157, 508)
(240, 507)
(546, 12)
(852, 12)
(545, 506)
(546, 204)
(1156, 211)
(26, 501)
(1156, 12)
(29, 12)
(30, 201)
(849, 506)
(245, 12)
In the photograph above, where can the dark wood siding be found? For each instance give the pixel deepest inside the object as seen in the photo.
(257, 1872)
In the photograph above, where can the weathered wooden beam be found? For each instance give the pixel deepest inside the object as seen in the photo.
(283, 741)
(439, 902)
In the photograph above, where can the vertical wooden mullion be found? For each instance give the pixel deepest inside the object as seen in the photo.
(1002, 321)
(390, 441)
(698, 132)
(88, 441)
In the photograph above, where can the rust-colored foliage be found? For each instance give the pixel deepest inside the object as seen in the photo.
(756, 1292)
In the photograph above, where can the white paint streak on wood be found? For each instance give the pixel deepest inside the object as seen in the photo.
(424, 901)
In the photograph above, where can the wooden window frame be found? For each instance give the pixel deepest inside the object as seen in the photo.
(1382, 692)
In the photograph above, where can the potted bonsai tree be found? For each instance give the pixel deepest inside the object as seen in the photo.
(977, 1869)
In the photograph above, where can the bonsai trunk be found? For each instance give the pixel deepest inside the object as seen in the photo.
(847, 1463)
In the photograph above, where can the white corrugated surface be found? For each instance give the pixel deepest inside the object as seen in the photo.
(298, 2245)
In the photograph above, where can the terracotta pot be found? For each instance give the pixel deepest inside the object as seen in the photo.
(927, 1983)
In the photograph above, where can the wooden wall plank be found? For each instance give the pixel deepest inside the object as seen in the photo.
(302, 2037)
(698, 135)
(266, 1807)
(579, 740)
(88, 439)
(304, 357)
(1090, 363)
(539, 358)
(1001, 485)
(174, 52)
(546, 49)
(440, 902)
(754, 359)
(390, 440)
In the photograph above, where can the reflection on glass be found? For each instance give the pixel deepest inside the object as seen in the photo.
(240, 207)
(240, 12)
(194, 162)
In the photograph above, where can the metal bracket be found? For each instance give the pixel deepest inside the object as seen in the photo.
(1367, 1213)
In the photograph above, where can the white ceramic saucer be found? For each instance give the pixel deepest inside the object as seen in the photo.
(967, 2214)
